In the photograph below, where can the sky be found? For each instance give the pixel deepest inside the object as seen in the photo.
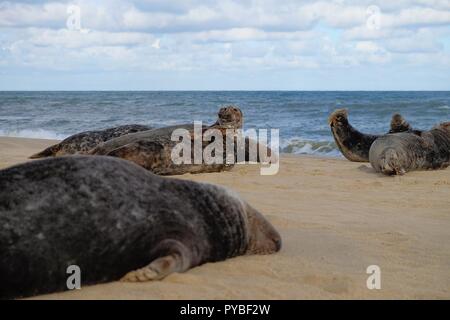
(225, 45)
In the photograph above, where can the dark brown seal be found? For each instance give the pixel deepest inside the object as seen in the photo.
(81, 143)
(353, 144)
(396, 154)
(115, 220)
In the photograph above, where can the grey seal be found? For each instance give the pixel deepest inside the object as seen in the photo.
(115, 220)
(396, 154)
(153, 149)
(353, 144)
(81, 143)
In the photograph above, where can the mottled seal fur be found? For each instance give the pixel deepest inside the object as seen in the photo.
(115, 220)
(153, 149)
(81, 143)
(353, 144)
(396, 154)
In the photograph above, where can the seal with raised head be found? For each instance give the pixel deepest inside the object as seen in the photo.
(396, 154)
(353, 144)
(81, 143)
(153, 149)
(115, 220)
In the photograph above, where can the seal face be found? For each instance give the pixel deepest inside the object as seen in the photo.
(115, 220)
(81, 143)
(353, 144)
(153, 149)
(396, 154)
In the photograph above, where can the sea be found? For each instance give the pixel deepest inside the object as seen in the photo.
(301, 117)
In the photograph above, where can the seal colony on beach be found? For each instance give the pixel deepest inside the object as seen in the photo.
(353, 144)
(396, 154)
(115, 220)
(81, 143)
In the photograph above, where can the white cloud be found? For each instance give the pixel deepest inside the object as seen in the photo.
(130, 35)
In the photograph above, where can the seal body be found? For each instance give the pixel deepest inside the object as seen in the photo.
(115, 220)
(353, 144)
(153, 149)
(81, 143)
(396, 154)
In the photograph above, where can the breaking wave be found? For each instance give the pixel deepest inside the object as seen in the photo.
(298, 145)
(33, 134)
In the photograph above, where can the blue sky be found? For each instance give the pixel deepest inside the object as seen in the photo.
(225, 45)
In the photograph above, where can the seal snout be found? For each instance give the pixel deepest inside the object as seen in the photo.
(278, 242)
(263, 237)
(230, 116)
(338, 117)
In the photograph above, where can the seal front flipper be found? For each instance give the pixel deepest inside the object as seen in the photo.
(180, 260)
(158, 269)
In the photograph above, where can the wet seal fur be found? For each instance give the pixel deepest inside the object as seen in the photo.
(353, 144)
(152, 149)
(396, 154)
(83, 142)
(115, 220)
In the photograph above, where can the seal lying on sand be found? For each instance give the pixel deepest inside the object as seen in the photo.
(353, 144)
(153, 149)
(420, 150)
(115, 220)
(81, 143)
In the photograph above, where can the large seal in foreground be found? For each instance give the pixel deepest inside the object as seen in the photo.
(353, 144)
(115, 220)
(81, 143)
(402, 152)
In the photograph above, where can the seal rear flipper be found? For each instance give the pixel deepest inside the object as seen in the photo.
(49, 152)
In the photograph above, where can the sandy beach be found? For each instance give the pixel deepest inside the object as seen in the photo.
(336, 219)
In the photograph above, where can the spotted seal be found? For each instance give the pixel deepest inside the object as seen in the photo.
(81, 143)
(396, 154)
(153, 149)
(353, 144)
(115, 220)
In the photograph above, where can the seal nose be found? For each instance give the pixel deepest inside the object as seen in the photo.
(278, 243)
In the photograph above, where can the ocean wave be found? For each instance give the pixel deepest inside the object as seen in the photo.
(33, 134)
(298, 145)
(445, 107)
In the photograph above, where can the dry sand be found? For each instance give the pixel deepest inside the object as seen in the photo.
(336, 218)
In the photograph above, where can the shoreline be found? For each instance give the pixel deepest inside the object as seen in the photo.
(336, 219)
